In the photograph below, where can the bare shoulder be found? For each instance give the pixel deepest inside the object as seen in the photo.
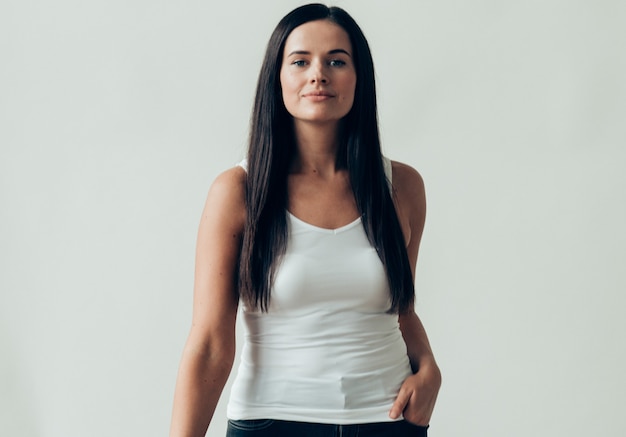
(226, 197)
(230, 182)
(410, 200)
(408, 185)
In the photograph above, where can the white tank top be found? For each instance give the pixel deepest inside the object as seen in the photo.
(326, 351)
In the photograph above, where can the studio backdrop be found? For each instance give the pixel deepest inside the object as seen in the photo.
(115, 117)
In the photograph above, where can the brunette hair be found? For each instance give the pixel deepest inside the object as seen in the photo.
(271, 148)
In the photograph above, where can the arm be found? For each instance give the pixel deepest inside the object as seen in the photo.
(417, 396)
(210, 348)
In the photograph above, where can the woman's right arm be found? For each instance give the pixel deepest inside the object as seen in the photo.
(210, 348)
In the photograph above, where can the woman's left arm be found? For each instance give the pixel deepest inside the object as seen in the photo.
(417, 396)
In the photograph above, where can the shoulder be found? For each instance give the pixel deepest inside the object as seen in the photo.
(409, 194)
(407, 182)
(231, 181)
(227, 197)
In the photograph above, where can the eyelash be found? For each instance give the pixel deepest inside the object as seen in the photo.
(332, 63)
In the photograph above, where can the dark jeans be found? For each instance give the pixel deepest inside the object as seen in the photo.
(282, 428)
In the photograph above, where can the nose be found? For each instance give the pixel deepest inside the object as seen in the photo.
(318, 74)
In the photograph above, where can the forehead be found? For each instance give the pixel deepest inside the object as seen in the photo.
(322, 35)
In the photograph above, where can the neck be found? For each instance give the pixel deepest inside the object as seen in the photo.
(316, 148)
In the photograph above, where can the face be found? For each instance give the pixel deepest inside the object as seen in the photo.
(317, 76)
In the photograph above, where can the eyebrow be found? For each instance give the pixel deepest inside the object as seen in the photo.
(332, 52)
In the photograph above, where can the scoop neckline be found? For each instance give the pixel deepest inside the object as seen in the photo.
(326, 230)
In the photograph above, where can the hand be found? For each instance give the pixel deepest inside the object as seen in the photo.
(417, 396)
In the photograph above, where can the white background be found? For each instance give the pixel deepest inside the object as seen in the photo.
(115, 116)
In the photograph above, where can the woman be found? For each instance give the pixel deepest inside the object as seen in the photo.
(317, 234)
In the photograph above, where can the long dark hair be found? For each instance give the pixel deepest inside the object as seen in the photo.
(271, 149)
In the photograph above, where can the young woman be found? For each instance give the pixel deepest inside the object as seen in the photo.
(317, 234)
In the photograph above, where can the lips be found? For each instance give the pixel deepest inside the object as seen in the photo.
(319, 94)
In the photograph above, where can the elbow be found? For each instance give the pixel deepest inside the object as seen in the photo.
(435, 375)
(213, 358)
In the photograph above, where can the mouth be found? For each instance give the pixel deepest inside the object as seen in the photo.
(318, 96)
(315, 94)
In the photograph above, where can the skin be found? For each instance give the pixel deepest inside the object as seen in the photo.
(317, 75)
(317, 57)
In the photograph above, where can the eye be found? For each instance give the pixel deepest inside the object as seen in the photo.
(299, 63)
(337, 63)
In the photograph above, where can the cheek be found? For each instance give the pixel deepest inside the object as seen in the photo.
(287, 86)
(348, 83)
(350, 88)
(354, 81)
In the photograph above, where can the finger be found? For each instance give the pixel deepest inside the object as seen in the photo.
(400, 403)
